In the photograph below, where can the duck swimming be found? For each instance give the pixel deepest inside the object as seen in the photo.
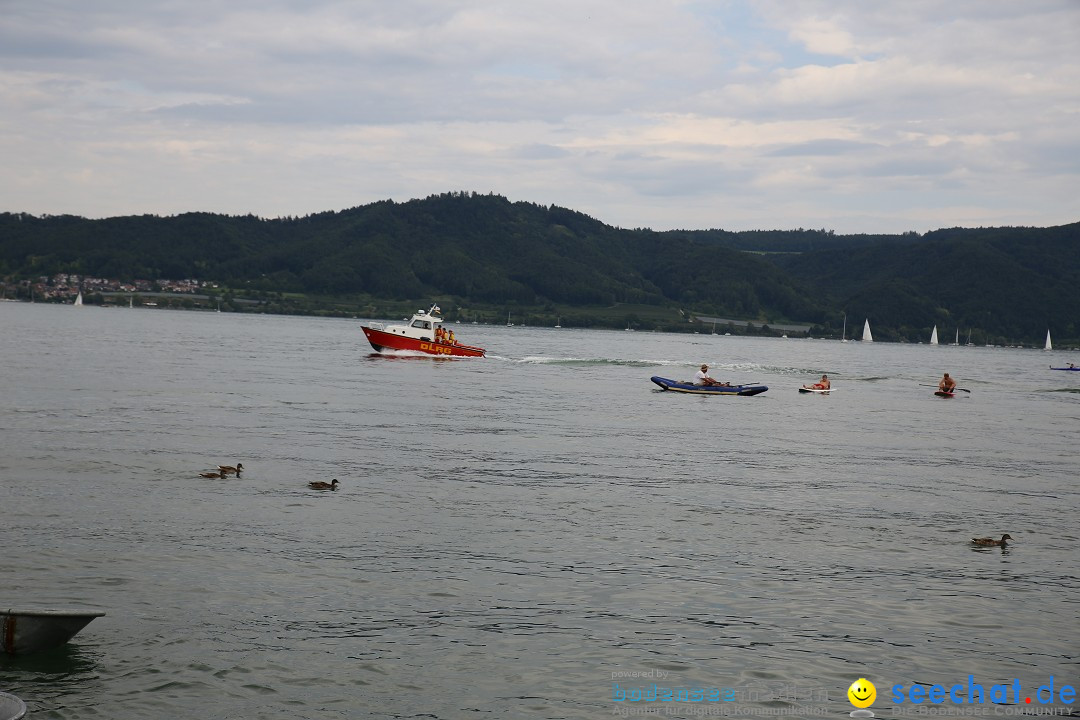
(214, 474)
(991, 541)
(320, 485)
(230, 469)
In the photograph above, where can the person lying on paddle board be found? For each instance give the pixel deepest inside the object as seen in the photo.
(947, 384)
(823, 385)
(701, 377)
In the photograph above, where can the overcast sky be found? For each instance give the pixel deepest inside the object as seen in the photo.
(848, 115)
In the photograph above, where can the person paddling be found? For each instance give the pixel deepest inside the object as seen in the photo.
(947, 384)
(701, 377)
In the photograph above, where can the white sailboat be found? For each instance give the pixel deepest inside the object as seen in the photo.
(866, 336)
(1049, 345)
(933, 336)
(508, 323)
(956, 343)
(78, 299)
(843, 333)
(558, 323)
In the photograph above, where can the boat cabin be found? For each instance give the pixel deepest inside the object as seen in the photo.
(421, 326)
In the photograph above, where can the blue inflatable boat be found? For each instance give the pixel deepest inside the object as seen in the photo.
(689, 387)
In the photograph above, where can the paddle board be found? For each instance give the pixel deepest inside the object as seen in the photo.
(815, 390)
(1076, 369)
(941, 393)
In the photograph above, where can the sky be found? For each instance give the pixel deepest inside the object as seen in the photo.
(846, 115)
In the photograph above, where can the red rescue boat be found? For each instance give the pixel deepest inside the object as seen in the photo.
(423, 334)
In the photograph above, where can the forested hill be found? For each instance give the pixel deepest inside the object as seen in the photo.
(476, 248)
(789, 241)
(485, 250)
(1014, 282)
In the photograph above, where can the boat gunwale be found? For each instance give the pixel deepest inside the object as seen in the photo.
(53, 612)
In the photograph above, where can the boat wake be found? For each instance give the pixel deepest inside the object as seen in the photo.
(594, 362)
(392, 354)
(776, 369)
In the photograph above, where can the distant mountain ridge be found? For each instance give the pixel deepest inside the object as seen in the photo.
(485, 249)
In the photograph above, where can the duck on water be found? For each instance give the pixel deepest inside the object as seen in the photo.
(991, 542)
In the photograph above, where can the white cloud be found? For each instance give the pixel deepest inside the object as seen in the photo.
(774, 113)
(824, 36)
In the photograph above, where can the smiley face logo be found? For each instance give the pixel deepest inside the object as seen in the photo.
(862, 693)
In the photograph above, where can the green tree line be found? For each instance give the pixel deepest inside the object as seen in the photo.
(474, 249)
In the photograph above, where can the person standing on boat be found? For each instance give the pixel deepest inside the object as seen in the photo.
(823, 385)
(947, 384)
(450, 337)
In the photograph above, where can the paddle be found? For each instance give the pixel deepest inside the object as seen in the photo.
(954, 389)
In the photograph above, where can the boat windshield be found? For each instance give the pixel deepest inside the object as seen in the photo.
(421, 324)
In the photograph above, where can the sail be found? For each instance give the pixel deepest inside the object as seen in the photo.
(78, 298)
(1049, 345)
(933, 336)
(866, 336)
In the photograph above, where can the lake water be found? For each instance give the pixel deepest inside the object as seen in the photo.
(514, 536)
